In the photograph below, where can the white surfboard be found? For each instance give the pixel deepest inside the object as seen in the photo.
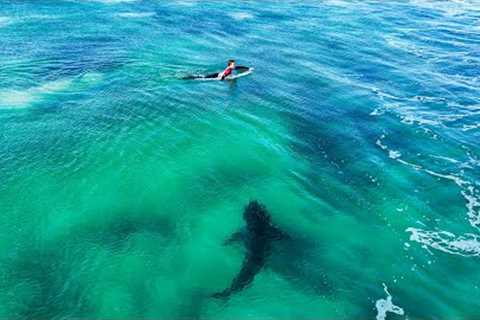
(240, 74)
(230, 77)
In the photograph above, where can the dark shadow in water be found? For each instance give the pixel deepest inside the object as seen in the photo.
(257, 239)
(232, 85)
(115, 235)
(81, 55)
(48, 296)
(208, 21)
(47, 272)
(192, 307)
(298, 262)
(263, 243)
(56, 293)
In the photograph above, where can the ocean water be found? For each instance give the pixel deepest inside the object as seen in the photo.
(359, 131)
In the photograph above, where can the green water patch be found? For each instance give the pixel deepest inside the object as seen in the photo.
(142, 223)
(265, 299)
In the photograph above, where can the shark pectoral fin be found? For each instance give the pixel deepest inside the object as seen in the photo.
(277, 234)
(238, 236)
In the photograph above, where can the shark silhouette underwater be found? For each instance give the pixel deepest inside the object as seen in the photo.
(258, 238)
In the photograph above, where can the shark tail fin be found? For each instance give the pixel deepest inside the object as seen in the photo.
(221, 295)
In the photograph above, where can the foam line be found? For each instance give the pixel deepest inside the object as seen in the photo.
(467, 245)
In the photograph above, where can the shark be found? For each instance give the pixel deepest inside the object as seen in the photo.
(258, 238)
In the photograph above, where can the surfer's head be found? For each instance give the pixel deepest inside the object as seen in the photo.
(231, 63)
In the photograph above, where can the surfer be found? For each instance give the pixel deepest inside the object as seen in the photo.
(228, 71)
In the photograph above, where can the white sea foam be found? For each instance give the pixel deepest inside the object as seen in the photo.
(404, 46)
(451, 160)
(386, 305)
(414, 118)
(13, 98)
(473, 205)
(239, 16)
(467, 189)
(136, 14)
(411, 116)
(467, 245)
(380, 143)
(377, 112)
(469, 193)
(412, 112)
(393, 154)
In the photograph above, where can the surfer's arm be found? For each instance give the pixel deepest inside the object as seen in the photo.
(241, 68)
(221, 75)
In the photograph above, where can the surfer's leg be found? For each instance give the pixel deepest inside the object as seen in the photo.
(213, 75)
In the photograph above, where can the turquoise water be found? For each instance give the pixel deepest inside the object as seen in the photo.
(358, 131)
